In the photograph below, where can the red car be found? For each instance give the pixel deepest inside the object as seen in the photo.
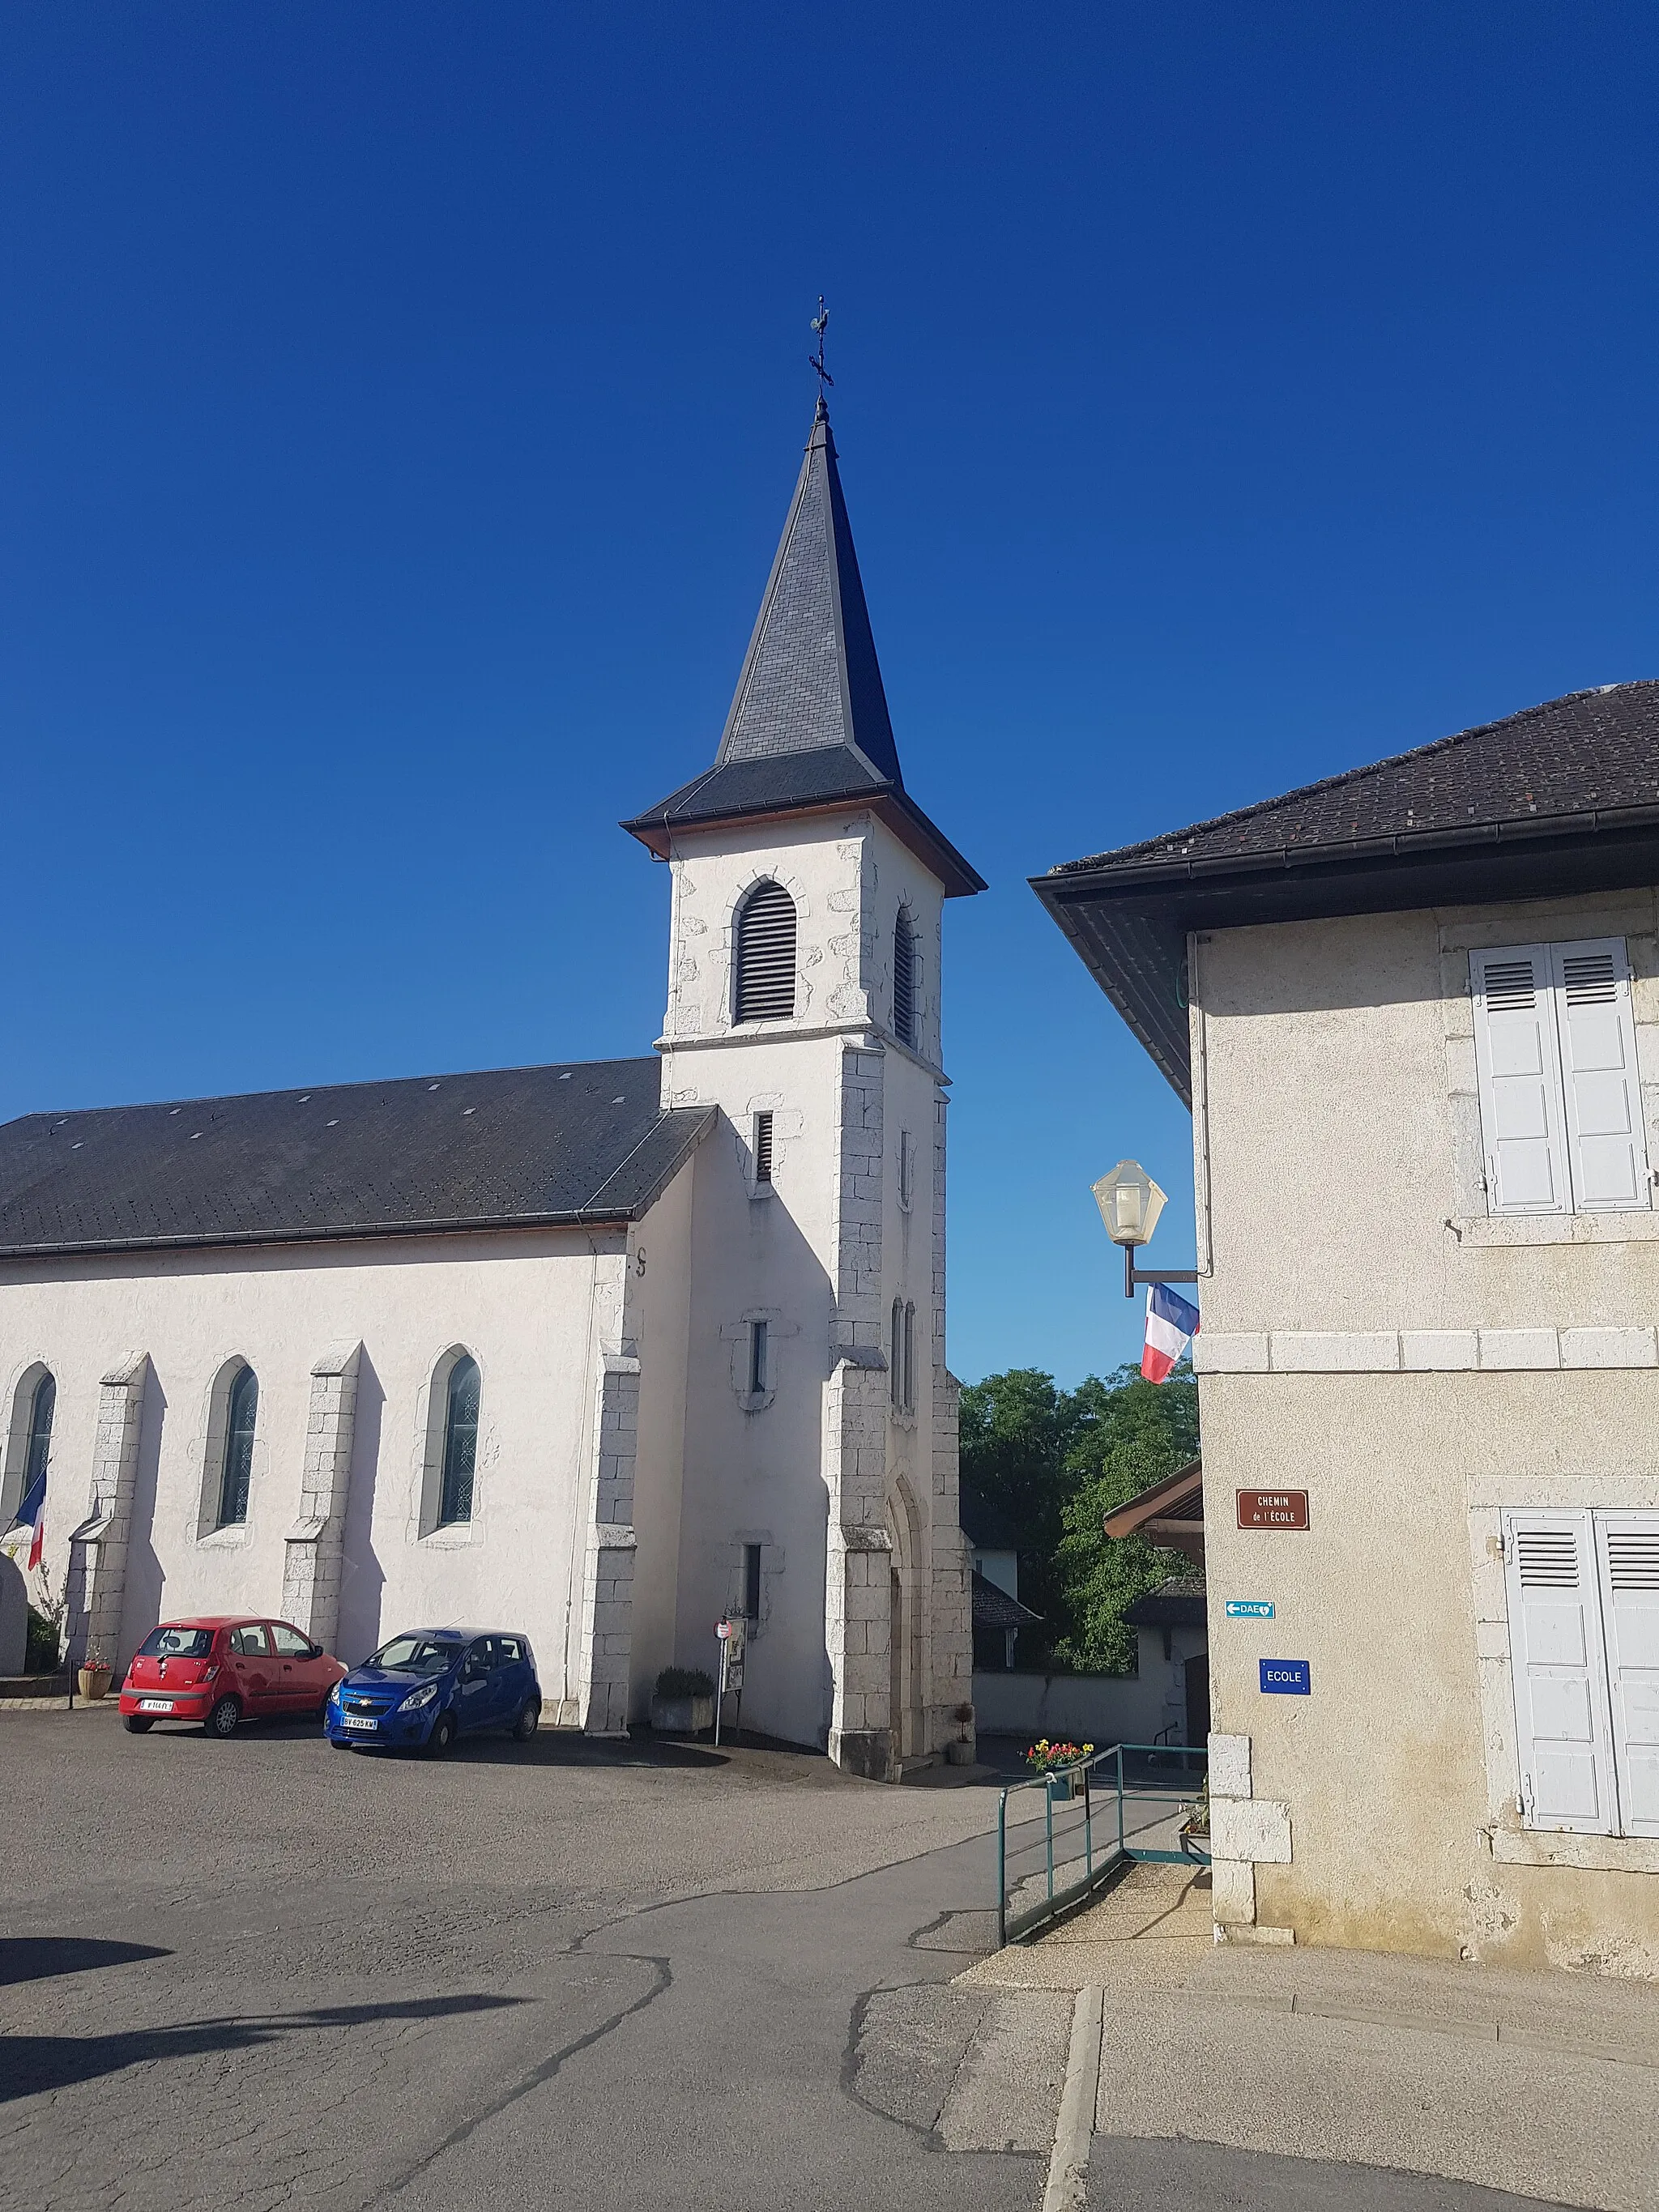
(223, 1669)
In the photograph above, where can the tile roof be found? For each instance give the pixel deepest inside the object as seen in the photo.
(1554, 802)
(506, 1147)
(1177, 1603)
(1592, 752)
(995, 1609)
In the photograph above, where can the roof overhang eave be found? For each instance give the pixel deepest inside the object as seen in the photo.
(892, 805)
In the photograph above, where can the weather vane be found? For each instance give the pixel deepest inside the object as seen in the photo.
(820, 325)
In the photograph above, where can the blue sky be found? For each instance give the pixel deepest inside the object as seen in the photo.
(399, 405)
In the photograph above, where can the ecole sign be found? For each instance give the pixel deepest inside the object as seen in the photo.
(1273, 1509)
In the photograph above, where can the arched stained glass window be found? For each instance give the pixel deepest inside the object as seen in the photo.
(904, 979)
(42, 1406)
(461, 1443)
(766, 955)
(237, 1475)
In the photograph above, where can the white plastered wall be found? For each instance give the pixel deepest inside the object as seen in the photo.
(533, 1309)
(820, 1256)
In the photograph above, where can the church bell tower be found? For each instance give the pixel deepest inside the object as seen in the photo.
(819, 1487)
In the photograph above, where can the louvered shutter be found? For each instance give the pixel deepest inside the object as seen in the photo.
(1520, 1078)
(766, 955)
(1597, 1031)
(1627, 1548)
(1563, 1727)
(904, 979)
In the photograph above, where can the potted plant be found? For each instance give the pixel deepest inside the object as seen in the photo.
(682, 1703)
(959, 1749)
(1195, 1828)
(1056, 1763)
(93, 1677)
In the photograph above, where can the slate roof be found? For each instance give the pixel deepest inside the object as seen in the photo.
(808, 725)
(1177, 1603)
(513, 1147)
(1592, 752)
(995, 1609)
(1550, 803)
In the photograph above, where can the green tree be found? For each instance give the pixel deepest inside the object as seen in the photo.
(1126, 1434)
(1056, 1462)
(1016, 1430)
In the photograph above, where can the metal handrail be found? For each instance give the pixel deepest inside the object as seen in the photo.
(1058, 1899)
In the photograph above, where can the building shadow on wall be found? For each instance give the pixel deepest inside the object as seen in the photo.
(362, 1578)
(146, 1579)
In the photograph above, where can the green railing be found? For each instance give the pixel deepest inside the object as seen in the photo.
(1072, 1832)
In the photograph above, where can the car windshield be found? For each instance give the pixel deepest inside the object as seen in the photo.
(176, 1644)
(415, 1655)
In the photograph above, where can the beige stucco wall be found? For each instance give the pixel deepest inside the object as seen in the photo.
(1350, 1258)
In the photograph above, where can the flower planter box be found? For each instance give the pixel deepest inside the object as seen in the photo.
(958, 1753)
(682, 1715)
(92, 1682)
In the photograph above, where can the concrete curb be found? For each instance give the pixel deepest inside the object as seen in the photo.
(1074, 2130)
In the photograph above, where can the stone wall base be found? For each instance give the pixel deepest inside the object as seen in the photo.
(866, 1753)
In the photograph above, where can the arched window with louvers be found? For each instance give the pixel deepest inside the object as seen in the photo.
(764, 987)
(904, 978)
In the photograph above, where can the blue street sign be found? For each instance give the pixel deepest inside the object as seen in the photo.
(1249, 1608)
(1285, 1677)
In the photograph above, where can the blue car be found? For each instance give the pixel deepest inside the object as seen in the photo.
(423, 1689)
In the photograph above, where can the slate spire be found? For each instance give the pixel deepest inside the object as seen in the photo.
(810, 678)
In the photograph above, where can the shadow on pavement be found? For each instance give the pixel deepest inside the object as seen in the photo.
(32, 2064)
(39, 1958)
(1141, 2173)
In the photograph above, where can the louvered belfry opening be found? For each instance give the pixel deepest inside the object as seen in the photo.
(766, 955)
(904, 979)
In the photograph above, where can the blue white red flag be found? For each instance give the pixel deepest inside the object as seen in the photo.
(1171, 1325)
(30, 1526)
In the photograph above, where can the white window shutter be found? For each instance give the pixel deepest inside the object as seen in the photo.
(1597, 1030)
(1520, 1077)
(1562, 1726)
(1627, 1548)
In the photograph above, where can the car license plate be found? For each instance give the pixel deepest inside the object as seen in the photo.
(155, 1704)
(352, 1722)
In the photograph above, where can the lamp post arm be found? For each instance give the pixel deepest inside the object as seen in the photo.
(1134, 1277)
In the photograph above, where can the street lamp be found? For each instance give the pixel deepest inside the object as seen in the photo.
(1130, 1203)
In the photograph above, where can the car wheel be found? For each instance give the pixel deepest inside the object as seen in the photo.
(223, 1720)
(442, 1735)
(524, 1726)
(136, 1724)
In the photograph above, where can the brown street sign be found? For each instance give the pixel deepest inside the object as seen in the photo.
(1273, 1509)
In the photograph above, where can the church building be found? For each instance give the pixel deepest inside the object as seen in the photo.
(601, 1351)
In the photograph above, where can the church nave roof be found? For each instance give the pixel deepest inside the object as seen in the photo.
(512, 1147)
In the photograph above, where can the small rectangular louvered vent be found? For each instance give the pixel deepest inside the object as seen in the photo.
(904, 981)
(763, 1148)
(1590, 979)
(1508, 986)
(766, 955)
(1548, 1558)
(1634, 1558)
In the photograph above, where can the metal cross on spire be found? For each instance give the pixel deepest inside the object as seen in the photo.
(820, 324)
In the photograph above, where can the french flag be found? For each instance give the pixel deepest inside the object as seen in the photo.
(1171, 1325)
(31, 1522)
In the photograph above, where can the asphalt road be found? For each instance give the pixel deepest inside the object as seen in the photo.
(267, 1973)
